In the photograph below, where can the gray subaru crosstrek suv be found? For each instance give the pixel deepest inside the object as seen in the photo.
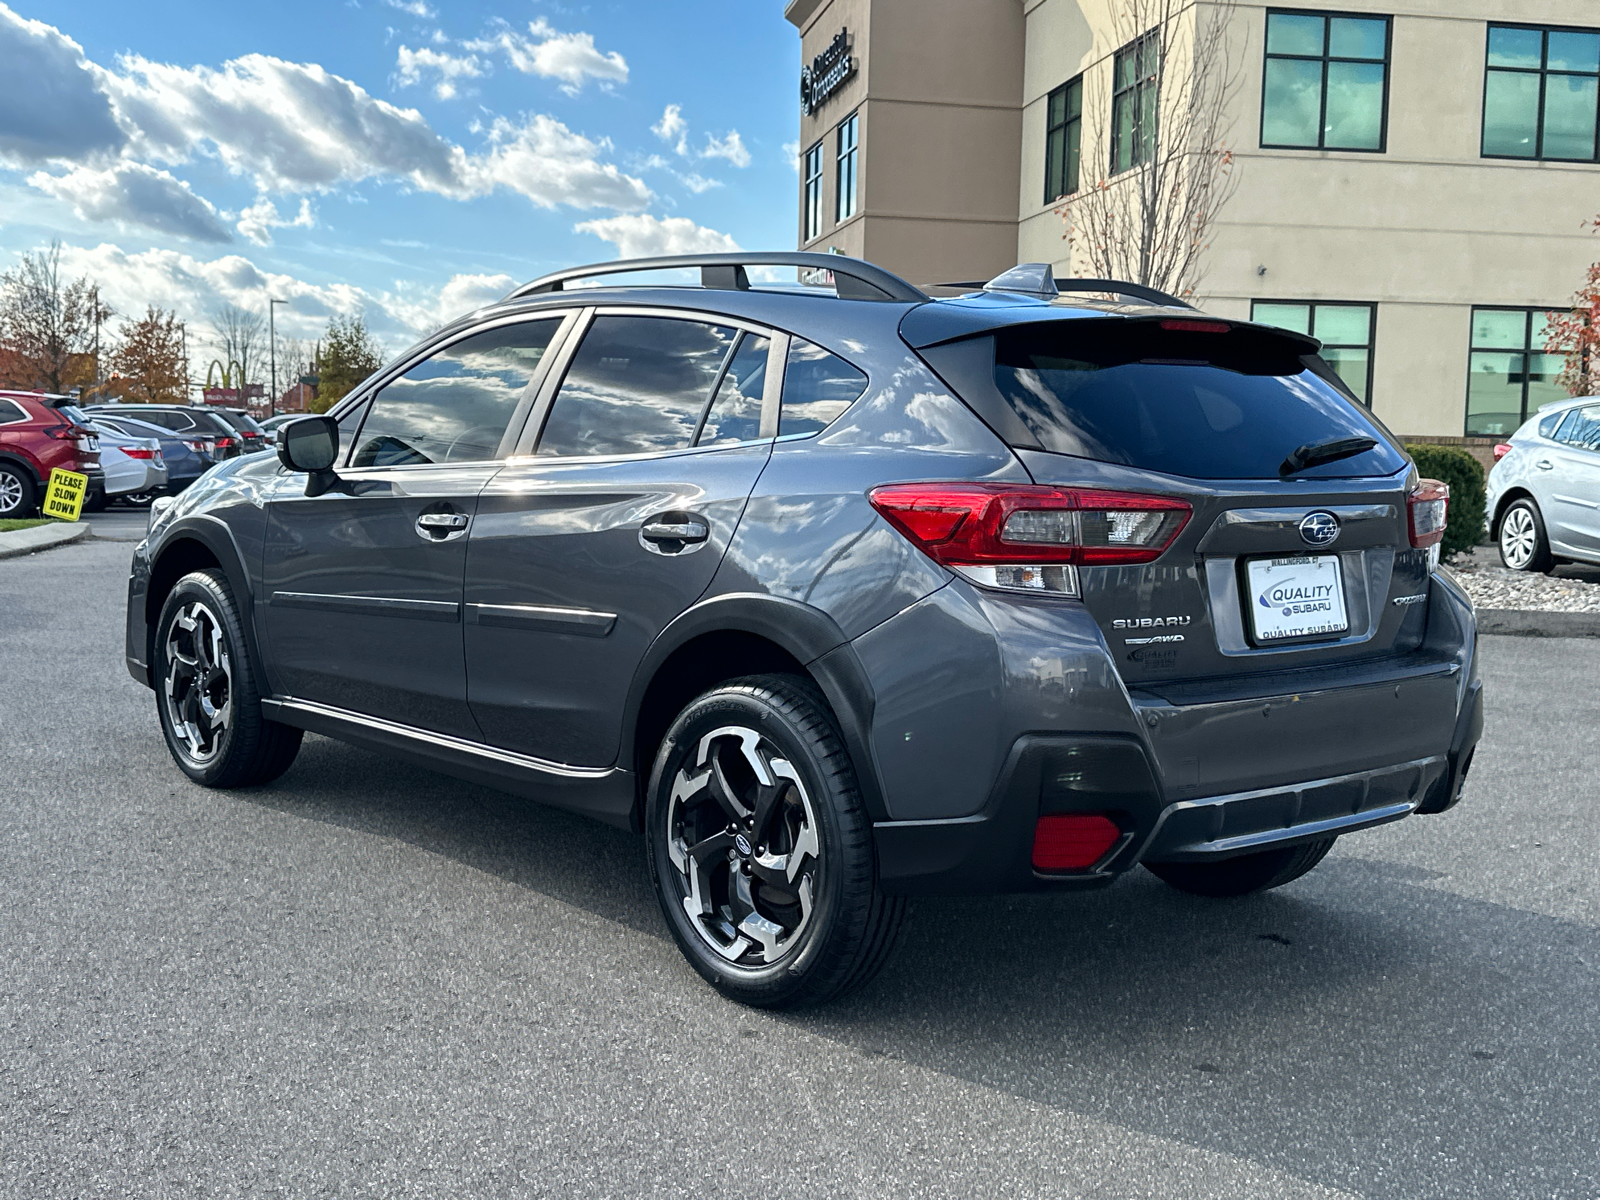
(840, 594)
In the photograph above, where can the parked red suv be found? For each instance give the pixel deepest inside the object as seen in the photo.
(36, 438)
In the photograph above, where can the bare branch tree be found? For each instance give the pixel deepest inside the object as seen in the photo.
(241, 335)
(47, 326)
(1167, 161)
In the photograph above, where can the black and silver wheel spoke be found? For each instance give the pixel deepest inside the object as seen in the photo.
(743, 837)
(199, 686)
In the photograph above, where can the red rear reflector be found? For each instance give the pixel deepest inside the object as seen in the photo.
(1501, 450)
(1072, 841)
(137, 452)
(224, 442)
(1428, 507)
(1196, 326)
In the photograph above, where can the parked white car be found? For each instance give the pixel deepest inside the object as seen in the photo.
(134, 467)
(1544, 493)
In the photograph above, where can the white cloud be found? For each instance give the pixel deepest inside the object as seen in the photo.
(545, 51)
(699, 184)
(411, 65)
(415, 7)
(791, 155)
(195, 287)
(730, 148)
(673, 128)
(640, 235)
(259, 220)
(551, 165)
(51, 108)
(136, 196)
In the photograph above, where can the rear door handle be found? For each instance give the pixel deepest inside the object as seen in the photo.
(442, 526)
(675, 531)
(1544, 464)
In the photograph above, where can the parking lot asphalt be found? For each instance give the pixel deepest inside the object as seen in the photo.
(369, 980)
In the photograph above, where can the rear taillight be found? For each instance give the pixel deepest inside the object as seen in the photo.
(1072, 841)
(139, 452)
(226, 443)
(1428, 506)
(1030, 537)
(1501, 449)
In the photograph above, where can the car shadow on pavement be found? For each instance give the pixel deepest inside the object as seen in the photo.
(1364, 1027)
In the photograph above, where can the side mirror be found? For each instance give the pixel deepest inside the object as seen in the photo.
(309, 445)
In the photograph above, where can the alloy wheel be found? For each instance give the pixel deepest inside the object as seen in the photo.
(1518, 538)
(743, 837)
(10, 493)
(198, 690)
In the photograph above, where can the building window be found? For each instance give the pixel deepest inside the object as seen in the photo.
(813, 178)
(1345, 331)
(1509, 376)
(845, 204)
(1133, 103)
(1327, 82)
(1541, 93)
(1062, 140)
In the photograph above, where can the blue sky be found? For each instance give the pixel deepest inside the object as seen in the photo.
(407, 158)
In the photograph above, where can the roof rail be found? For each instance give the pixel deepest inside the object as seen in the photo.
(1015, 281)
(853, 279)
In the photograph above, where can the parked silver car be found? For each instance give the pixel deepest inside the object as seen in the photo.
(1544, 493)
(134, 466)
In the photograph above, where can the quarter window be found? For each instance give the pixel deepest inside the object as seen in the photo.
(1327, 82)
(1541, 93)
(1509, 375)
(1063, 140)
(456, 404)
(1133, 102)
(1581, 429)
(637, 385)
(845, 205)
(817, 388)
(1345, 331)
(11, 413)
(813, 178)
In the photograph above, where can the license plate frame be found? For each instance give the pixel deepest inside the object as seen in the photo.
(1285, 594)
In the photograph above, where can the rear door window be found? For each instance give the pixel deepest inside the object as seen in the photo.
(817, 388)
(1581, 429)
(1206, 405)
(637, 385)
(455, 405)
(735, 412)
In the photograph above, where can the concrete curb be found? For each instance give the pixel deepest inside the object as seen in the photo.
(1520, 622)
(41, 537)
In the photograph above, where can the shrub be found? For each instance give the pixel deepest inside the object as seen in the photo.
(1464, 474)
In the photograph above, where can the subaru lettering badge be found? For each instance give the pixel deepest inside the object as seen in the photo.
(1319, 528)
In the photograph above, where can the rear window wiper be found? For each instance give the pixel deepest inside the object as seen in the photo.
(1317, 453)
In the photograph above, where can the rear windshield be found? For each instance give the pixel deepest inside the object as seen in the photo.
(241, 422)
(1203, 405)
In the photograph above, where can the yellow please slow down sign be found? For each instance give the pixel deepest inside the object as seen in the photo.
(63, 497)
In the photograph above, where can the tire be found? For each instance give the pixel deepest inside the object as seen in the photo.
(95, 502)
(1245, 874)
(18, 496)
(768, 885)
(1523, 544)
(207, 690)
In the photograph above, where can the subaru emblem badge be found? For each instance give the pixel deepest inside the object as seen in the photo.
(1319, 528)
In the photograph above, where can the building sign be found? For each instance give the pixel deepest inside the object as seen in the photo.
(230, 397)
(828, 72)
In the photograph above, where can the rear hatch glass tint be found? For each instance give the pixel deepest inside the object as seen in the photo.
(1229, 404)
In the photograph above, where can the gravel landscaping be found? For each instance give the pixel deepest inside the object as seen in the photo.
(1572, 588)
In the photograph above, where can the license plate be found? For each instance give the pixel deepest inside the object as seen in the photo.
(1297, 597)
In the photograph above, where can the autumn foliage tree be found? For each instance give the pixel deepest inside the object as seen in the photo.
(48, 325)
(148, 365)
(1575, 335)
(348, 354)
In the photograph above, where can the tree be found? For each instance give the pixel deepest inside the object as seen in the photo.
(48, 328)
(241, 335)
(348, 354)
(1575, 335)
(148, 364)
(1169, 168)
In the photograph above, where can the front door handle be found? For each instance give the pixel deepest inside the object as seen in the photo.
(1544, 464)
(442, 526)
(675, 531)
